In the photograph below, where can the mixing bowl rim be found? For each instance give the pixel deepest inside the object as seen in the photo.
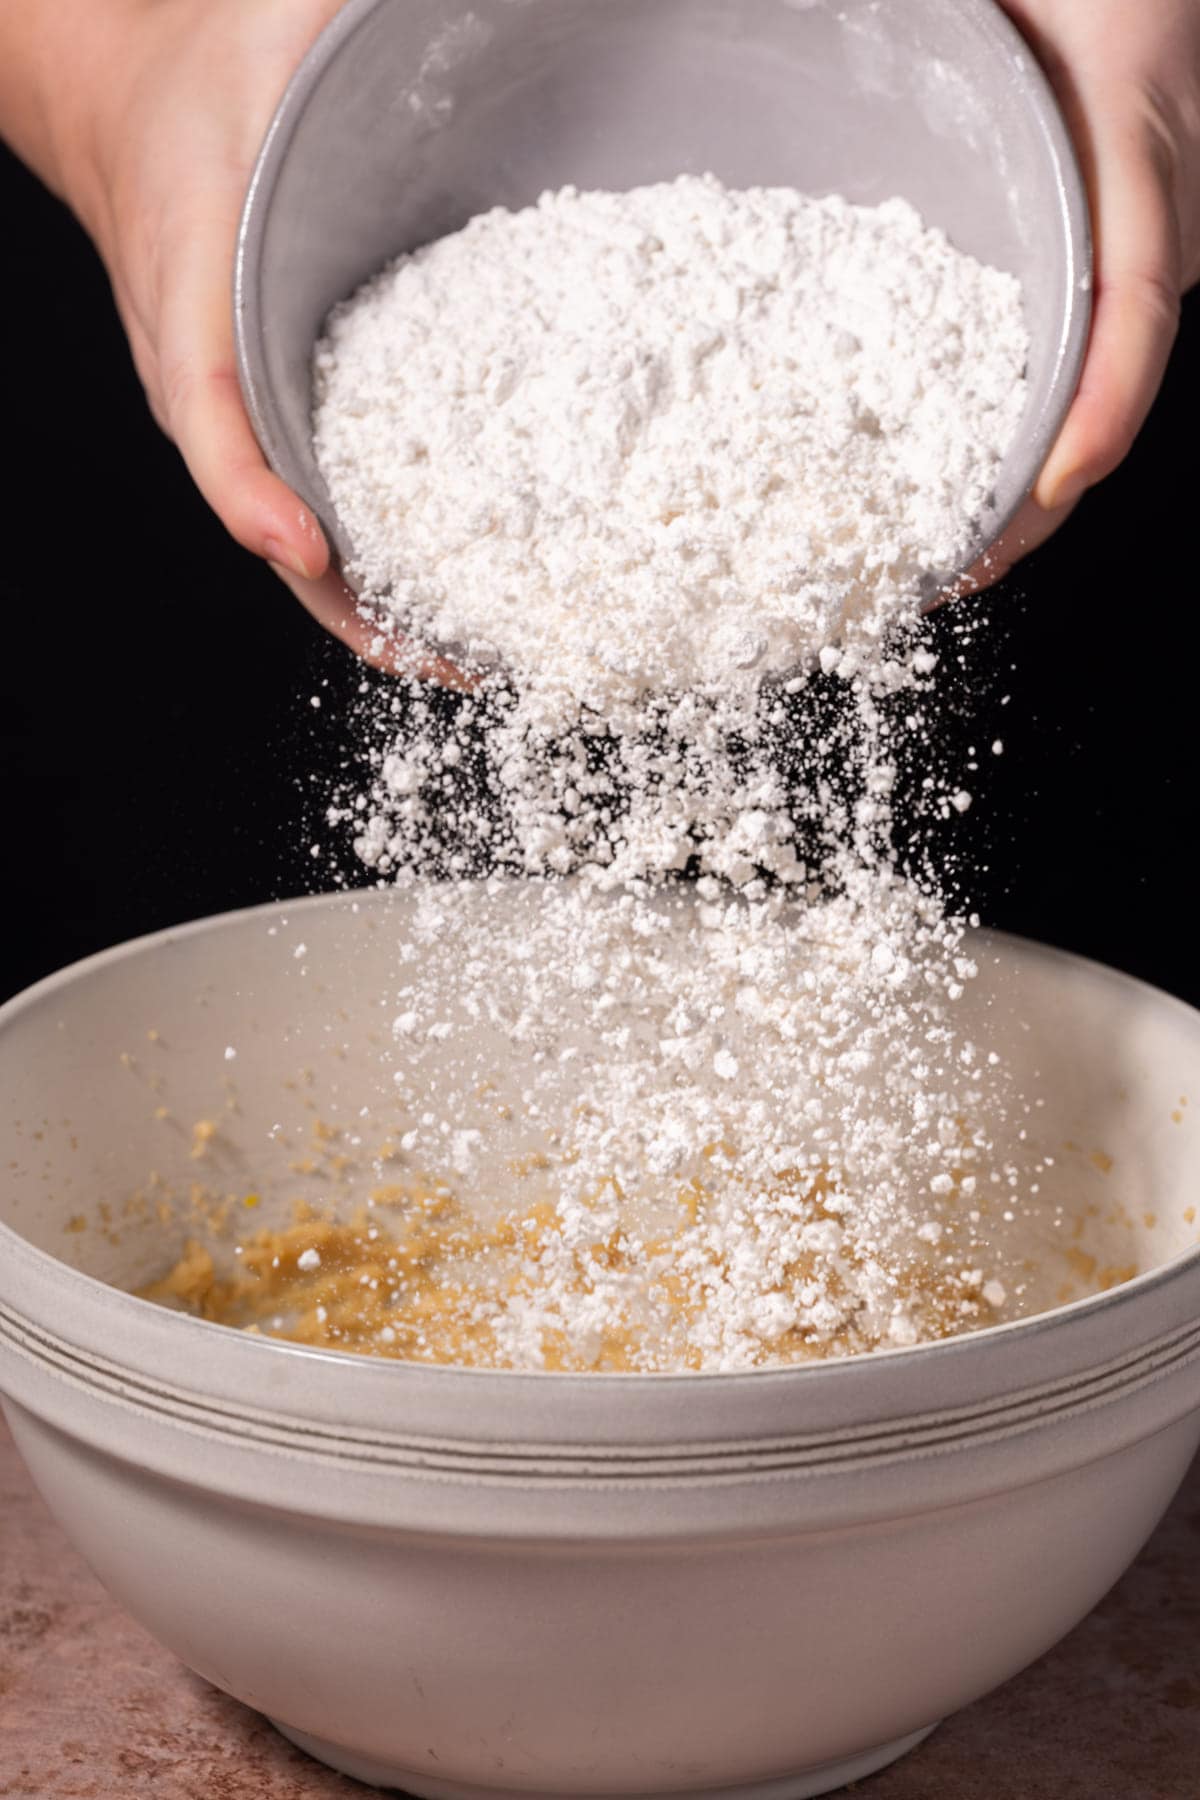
(915, 1356)
(1073, 327)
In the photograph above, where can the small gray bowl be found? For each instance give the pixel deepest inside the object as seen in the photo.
(410, 116)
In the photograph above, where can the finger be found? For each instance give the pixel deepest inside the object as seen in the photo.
(141, 347)
(202, 403)
(1030, 529)
(337, 608)
(1137, 298)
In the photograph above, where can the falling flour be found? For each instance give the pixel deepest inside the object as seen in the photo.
(672, 472)
(634, 1132)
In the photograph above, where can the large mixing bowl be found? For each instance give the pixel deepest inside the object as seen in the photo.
(489, 1584)
(410, 116)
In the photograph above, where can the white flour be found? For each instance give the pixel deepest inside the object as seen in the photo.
(746, 1150)
(642, 455)
(650, 439)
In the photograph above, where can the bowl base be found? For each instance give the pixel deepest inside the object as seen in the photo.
(804, 1785)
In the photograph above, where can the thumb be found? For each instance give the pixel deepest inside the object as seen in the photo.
(201, 403)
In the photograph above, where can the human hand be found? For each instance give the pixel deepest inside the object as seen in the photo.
(1127, 75)
(147, 117)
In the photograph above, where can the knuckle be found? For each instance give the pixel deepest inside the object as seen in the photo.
(190, 388)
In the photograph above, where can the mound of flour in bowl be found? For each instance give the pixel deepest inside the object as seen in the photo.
(649, 439)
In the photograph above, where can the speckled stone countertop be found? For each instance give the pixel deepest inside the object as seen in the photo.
(92, 1709)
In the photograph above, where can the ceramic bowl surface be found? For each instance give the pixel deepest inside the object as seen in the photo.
(471, 1583)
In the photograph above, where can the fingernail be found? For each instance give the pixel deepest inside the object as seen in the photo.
(275, 552)
(1066, 491)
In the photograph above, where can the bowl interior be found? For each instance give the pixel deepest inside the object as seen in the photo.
(130, 1127)
(407, 120)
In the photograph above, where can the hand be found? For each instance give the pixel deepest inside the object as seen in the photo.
(1127, 75)
(147, 117)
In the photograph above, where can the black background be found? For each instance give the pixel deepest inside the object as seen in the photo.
(161, 752)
